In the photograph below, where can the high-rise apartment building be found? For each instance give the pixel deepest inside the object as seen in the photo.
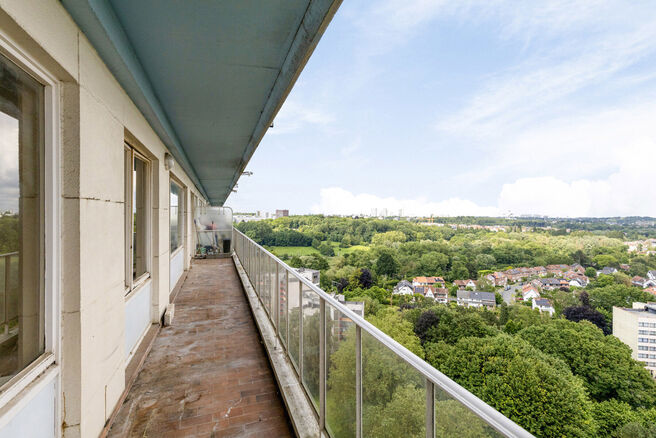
(636, 327)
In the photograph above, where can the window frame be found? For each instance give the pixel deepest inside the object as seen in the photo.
(45, 367)
(131, 283)
(181, 215)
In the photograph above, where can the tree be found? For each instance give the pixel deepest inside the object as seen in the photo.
(518, 380)
(366, 279)
(587, 313)
(326, 249)
(606, 297)
(386, 264)
(604, 362)
(590, 272)
(449, 325)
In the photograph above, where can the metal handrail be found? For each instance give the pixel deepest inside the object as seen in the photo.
(485, 412)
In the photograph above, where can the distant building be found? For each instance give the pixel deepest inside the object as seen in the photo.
(463, 284)
(607, 271)
(428, 281)
(282, 213)
(529, 291)
(476, 299)
(636, 327)
(543, 305)
(310, 274)
(403, 287)
(651, 275)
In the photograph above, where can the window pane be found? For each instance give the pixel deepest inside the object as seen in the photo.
(21, 146)
(139, 186)
(311, 327)
(340, 377)
(393, 393)
(174, 216)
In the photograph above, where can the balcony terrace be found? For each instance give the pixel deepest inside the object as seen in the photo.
(208, 374)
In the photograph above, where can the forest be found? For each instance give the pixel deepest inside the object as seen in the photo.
(555, 376)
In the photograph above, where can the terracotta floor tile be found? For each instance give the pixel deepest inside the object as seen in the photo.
(207, 375)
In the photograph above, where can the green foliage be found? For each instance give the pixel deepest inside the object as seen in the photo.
(8, 234)
(326, 249)
(386, 264)
(603, 362)
(390, 321)
(590, 272)
(442, 323)
(519, 381)
(605, 297)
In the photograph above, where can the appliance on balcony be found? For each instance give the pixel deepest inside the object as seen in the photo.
(213, 232)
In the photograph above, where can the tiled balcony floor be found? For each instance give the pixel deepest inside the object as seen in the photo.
(207, 375)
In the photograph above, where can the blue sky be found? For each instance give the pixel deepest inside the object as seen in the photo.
(468, 107)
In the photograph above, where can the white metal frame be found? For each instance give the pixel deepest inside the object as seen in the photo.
(132, 284)
(181, 214)
(31, 379)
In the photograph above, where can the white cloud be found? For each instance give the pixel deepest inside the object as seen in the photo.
(335, 200)
(294, 115)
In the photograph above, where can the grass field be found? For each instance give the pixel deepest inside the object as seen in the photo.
(307, 250)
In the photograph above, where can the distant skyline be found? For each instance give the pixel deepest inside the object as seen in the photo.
(469, 107)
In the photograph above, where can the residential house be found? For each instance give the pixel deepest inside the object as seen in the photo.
(543, 305)
(625, 267)
(428, 281)
(497, 278)
(651, 290)
(540, 271)
(607, 271)
(463, 284)
(557, 269)
(441, 295)
(638, 281)
(578, 282)
(476, 299)
(530, 292)
(403, 287)
(651, 275)
(577, 268)
(554, 283)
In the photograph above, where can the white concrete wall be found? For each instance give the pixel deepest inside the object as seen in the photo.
(36, 418)
(176, 268)
(137, 317)
(96, 117)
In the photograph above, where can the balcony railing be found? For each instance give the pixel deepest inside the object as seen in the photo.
(8, 291)
(360, 381)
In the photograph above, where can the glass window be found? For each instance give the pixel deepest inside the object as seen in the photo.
(176, 216)
(136, 215)
(22, 336)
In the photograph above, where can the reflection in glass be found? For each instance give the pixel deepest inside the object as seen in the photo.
(294, 320)
(176, 206)
(282, 303)
(454, 420)
(22, 336)
(393, 393)
(311, 326)
(139, 186)
(340, 374)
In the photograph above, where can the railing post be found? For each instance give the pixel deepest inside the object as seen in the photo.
(322, 364)
(358, 381)
(7, 293)
(300, 329)
(287, 308)
(430, 409)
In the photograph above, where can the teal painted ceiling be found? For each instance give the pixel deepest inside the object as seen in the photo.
(208, 75)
